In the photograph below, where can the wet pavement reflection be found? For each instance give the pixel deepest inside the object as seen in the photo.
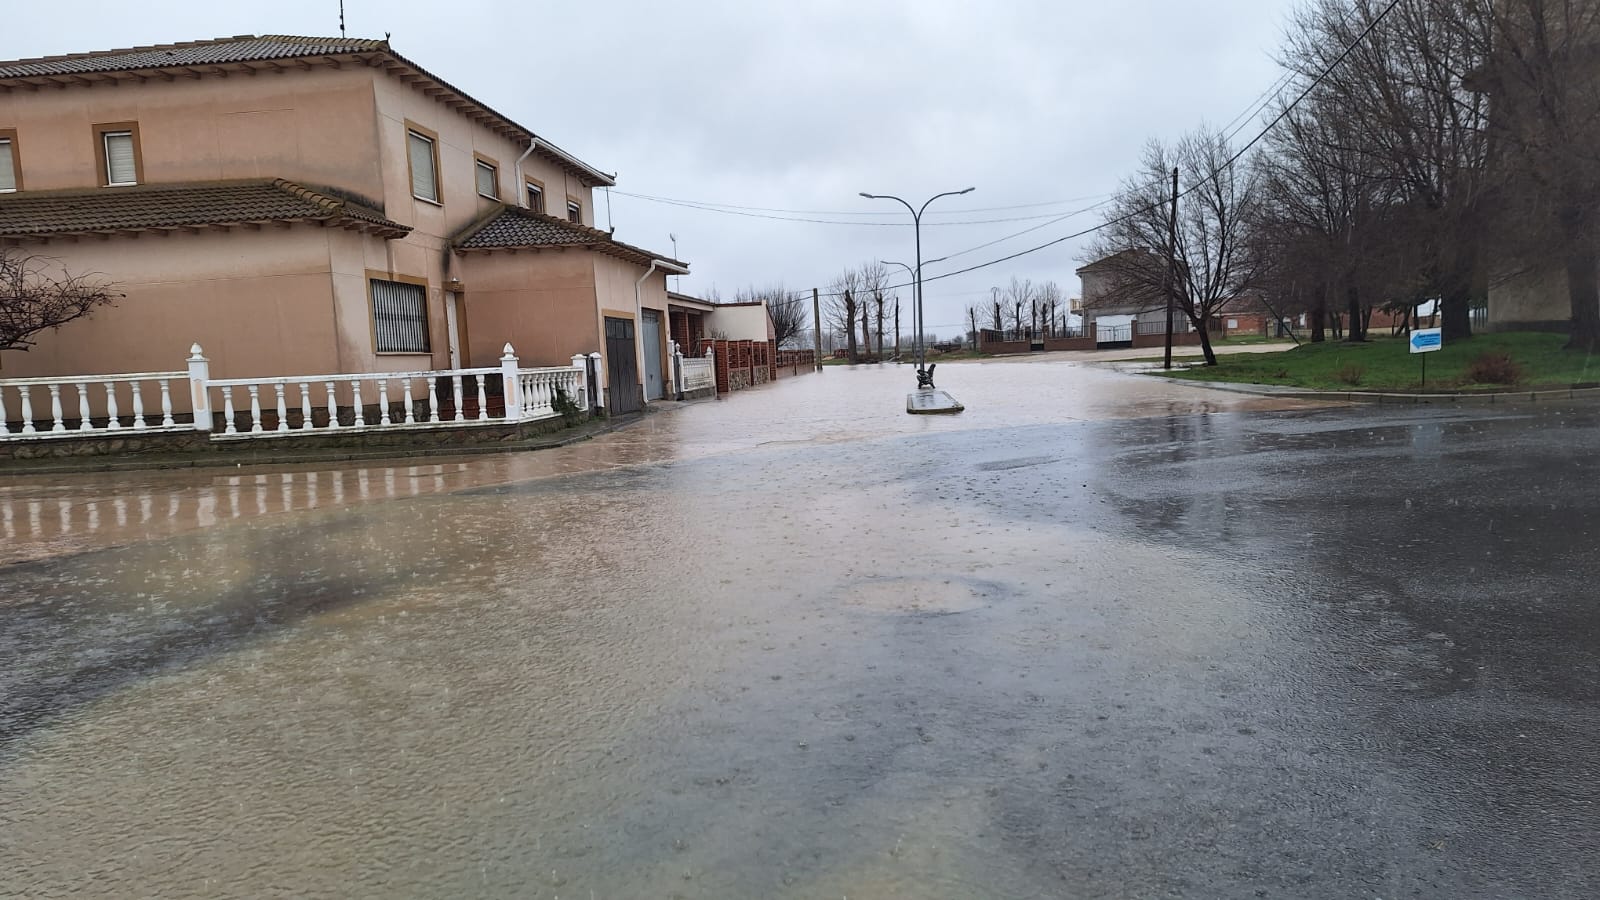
(1097, 637)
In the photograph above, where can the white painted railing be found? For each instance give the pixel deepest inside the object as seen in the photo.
(366, 400)
(698, 374)
(291, 404)
(538, 389)
(97, 404)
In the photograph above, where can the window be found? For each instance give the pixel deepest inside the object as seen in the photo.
(574, 212)
(10, 175)
(488, 180)
(117, 147)
(399, 317)
(422, 149)
(535, 197)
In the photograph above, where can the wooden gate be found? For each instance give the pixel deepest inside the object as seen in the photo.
(623, 391)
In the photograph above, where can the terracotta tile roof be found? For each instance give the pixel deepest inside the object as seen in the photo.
(35, 214)
(511, 228)
(209, 56)
(218, 51)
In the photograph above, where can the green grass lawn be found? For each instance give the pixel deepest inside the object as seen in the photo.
(1383, 364)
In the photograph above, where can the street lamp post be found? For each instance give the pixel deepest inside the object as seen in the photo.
(912, 274)
(916, 222)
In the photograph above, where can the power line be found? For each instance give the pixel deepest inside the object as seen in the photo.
(714, 206)
(1282, 114)
(785, 218)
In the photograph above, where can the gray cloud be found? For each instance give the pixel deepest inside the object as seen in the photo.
(800, 106)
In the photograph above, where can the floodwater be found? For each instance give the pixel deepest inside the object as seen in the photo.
(1098, 636)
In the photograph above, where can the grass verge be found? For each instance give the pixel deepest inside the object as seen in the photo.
(1384, 364)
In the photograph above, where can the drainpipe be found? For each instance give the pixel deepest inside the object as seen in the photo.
(638, 298)
(516, 169)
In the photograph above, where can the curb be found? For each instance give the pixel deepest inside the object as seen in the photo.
(67, 465)
(1487, 398)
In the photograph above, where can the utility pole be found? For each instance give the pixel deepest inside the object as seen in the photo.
(897, 329)
(878, 295)
(816, 333)
(1172, 275)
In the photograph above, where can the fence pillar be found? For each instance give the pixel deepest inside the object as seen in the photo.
(199, 390)
(580, 362)
(513, 383)
(597, 376)
(677, 370)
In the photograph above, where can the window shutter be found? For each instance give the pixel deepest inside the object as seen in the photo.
(399, 317)
(486, 181)
(120, 168)
(424, 180)
(535, 198)
(575, 213)
(8, 171)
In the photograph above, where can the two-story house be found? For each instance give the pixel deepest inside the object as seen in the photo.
(303, 205)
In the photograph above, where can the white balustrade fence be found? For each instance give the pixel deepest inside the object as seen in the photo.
(698, 374)
(75, 405)
(289, 404)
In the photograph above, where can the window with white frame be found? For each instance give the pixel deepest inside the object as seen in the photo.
(8, 165)
(122, 166)
(575, 212)
(488, 181)
(399, 317)
(535, 197)
(424, 167)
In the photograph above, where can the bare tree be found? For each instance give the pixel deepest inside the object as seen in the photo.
(1542, 72)
(37, 294)
(1049, 303)
(788, 311)
(875, 281)
(1211, 261)
(843, 307)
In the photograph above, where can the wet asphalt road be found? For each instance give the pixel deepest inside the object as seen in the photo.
(1097, 638)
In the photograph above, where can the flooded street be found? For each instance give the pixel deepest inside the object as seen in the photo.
(1098, 636)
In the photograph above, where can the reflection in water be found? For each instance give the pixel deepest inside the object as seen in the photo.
(794, 643)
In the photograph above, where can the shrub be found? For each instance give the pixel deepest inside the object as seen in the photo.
(1350, 374)
(1494, 368)
(567, 407)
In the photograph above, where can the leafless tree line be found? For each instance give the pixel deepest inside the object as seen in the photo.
(862, 303)
(1439, 145)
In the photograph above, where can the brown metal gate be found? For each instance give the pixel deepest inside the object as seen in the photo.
(624, 394)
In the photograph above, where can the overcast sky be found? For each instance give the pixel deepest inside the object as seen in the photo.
(800, 106)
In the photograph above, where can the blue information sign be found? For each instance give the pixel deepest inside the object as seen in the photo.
(1427, 340)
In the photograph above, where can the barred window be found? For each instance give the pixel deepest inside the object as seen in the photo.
(399, 317)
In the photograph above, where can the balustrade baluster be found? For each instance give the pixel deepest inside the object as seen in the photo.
(355, 398)
(55, 408)
(333, 407)
(455, 392)
(4, 428)
(83, 407)
(166, 404)
(433, 400)
(483, 400)
(26, 391)
(227, 409)
(305, 406)
(255, 407)
(383, 401)
(407, 402)
(113, 420)
(138, 405)
(283, 407)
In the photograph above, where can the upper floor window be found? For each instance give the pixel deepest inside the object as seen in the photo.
(423, 152)
(574, 212)
(488, 180)
(10, 173)
(535, 197)
(117, 147)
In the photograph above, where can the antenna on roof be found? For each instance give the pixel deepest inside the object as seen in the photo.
(341, 18)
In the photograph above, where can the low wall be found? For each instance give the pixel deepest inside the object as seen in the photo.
(998, 347)
(1159, 339)
(399, 439)
(1082, 343)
